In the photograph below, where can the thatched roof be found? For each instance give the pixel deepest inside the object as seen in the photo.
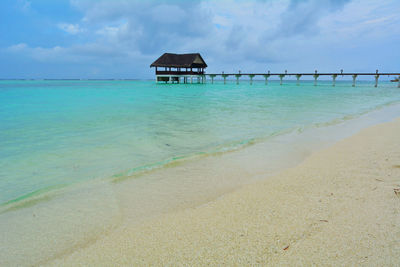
(180, 61)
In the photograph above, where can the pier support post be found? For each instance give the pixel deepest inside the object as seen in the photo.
(298, 76)
(191, 79)
(376, 80)
(237, 78)
(212, 78)
(334, 76)
(251, 78)
(224, 76)
(281, 78)
(266, 78)
(398, 83)
(316, 75)
(354, 80)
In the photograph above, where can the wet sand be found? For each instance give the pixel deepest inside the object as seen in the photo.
(338, 207)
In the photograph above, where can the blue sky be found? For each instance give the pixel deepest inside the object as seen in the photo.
(121, 38)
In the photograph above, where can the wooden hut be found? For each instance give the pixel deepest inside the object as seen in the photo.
(176, 67)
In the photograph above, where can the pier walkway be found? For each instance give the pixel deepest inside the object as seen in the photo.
(315, 75)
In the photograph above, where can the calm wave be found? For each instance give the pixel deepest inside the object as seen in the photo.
(56, 133)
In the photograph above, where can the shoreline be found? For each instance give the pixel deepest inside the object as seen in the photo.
(337, 207)
(53, 163)
(110, 208)
(143, 170)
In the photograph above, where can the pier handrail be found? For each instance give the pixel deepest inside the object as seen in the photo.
(315, 75)
(312, 73)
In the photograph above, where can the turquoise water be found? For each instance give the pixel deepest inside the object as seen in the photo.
(57, 133)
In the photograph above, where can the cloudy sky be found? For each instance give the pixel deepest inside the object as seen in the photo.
(121, 38)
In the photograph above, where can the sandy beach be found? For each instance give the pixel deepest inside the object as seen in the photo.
(199, 133)
(338, 207)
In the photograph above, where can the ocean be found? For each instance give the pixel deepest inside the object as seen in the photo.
(54, 134)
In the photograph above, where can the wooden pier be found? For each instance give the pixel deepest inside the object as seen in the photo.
(315, 75)
(177, 68)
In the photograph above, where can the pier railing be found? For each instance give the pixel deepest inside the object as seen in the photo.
(315, 75)
(166, 72)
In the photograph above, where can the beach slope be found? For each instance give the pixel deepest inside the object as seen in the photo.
(338, 207)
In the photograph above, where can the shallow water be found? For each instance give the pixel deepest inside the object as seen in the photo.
(58, 133)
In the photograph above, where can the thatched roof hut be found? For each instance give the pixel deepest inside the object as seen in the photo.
(170, 60)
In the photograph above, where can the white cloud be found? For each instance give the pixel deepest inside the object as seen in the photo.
(70, 28)
(230, 34)
(114, 33)
(94, 53)
(38, 53)
(17, 47)
(362, 20)
(168, 14)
